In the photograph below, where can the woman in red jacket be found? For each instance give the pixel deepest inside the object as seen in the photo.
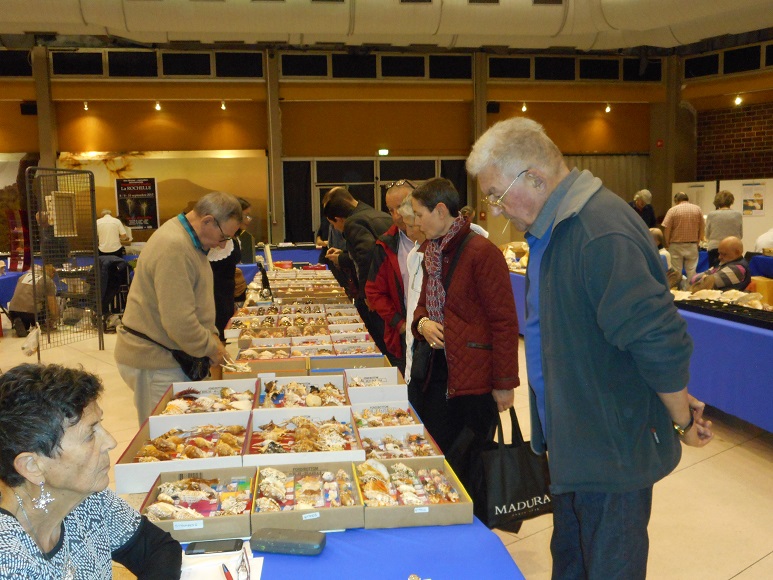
(466, 313)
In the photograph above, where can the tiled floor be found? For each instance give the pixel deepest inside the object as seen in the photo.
(712, 518)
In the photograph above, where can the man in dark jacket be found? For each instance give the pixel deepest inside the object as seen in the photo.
(606, 350)
(361, 226)
(385, 288)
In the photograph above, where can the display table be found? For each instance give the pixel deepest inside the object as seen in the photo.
(731, 367)
(761, 266)
(464, 551)
(518, 284)
(7, 286)
(292, 254)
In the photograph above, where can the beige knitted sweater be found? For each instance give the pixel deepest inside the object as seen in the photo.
(171, 300)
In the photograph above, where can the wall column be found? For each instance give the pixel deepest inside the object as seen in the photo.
(673, 139)
(49, 143)
(276, 208)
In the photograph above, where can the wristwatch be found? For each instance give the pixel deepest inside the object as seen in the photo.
(682, 430)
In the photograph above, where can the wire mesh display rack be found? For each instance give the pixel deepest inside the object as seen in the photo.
(63, 236)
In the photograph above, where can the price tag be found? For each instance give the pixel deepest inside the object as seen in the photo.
(311, 516)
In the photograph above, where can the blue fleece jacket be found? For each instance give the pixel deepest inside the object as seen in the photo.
(611, 339)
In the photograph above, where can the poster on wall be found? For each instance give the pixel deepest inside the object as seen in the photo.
(137, 202)
(754, 198)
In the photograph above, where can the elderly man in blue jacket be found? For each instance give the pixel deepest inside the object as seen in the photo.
(606, 351)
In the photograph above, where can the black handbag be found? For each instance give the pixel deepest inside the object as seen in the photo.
(507, 483)
(195, 368)
(420, 363)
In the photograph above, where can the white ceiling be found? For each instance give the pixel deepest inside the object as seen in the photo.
(515, 24)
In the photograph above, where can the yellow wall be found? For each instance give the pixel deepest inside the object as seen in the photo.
(179, 126)
(583, 128)
(18, 133)
(356, 129)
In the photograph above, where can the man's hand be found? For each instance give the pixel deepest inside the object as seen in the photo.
(504, 398)
(219, 356)
(700, 433)
(332, 254)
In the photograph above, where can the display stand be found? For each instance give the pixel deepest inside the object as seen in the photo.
(63, 234)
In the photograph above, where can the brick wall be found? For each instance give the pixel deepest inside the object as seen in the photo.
(735, 143)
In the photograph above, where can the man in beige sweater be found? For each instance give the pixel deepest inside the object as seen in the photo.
(171, 299)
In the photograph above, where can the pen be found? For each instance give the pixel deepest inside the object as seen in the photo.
(226, 573)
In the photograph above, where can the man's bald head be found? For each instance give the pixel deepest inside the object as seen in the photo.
(394, 197)
(731, 248)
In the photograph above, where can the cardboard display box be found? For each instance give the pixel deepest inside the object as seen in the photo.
(318, 380)
(357, 348)
(378, 408)
(346, 328)
(407, 516)
(399, 432)
(281, 415)
(337, 364)
(131, 477)
(382, 385)
(319, 519)
(206, 528)
(209, 388)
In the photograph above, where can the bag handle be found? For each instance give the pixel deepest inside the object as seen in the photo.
(146, 337)
(455, 259)
(516, 436)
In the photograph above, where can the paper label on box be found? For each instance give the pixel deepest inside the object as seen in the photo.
(189, 525)
(312, 516)
(421, 510)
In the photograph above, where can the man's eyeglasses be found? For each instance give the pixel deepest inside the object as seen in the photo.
(498, 202)
(224, 237)
(400, 184)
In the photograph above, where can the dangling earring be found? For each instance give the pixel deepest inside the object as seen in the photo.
(42, 502)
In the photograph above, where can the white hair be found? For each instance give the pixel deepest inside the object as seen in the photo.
(106, 212)
(513, 145)
(644, 195)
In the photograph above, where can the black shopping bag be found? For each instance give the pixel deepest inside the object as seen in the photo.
(507, 483)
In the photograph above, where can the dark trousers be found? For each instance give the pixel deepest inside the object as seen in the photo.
(446, 418)
(26, 317)
(119, 253)
(601, 535)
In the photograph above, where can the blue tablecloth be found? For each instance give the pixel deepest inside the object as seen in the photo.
(249, 271)
(7, 286)
(310, 255)
(439, 552)
(731, 367)
(518, 284)
(761, 266)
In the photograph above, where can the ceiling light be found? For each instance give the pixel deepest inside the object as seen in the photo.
(383, 152)
(222, 105)
(608, 109)
(738, 100)
(523, 108)
(85, 105)
(158, 106)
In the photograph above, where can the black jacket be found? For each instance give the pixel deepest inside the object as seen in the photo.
(361, 230)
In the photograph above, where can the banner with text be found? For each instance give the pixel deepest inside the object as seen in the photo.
(137, 202)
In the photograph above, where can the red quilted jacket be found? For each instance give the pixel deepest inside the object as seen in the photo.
(384, 289)
(481, 327)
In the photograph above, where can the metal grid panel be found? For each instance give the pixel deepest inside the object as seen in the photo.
(63, 235)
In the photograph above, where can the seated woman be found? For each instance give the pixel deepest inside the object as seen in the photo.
(57, 519)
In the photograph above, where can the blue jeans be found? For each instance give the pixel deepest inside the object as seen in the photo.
(601, 535)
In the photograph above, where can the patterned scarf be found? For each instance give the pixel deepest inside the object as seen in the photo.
(436, 293)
